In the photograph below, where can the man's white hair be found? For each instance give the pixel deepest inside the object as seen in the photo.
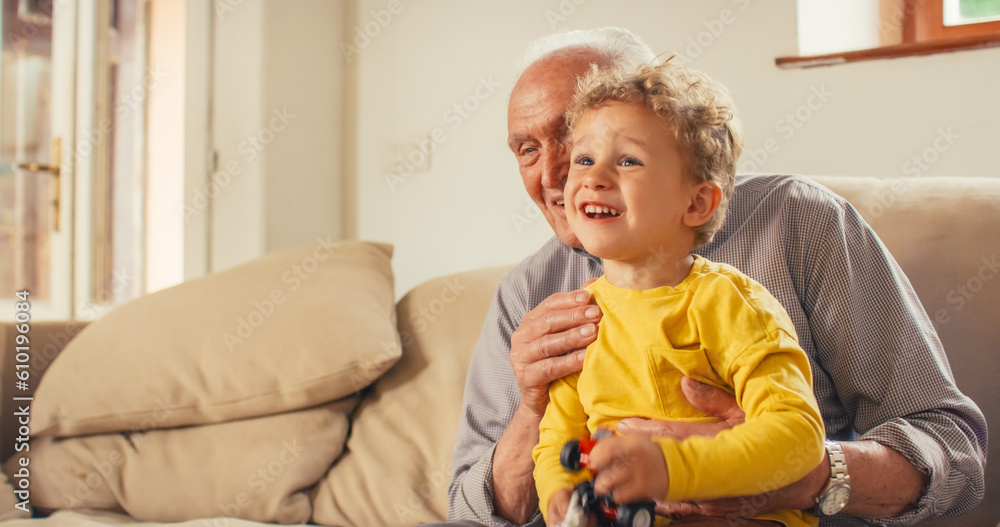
(620, 46)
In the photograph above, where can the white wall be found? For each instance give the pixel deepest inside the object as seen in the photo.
(165, 229)
(278, 96)
(831, 27)
(178, 134)
(303, 86)
(461, 212)
(234, 197)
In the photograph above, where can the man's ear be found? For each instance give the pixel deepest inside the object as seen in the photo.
(705, 198)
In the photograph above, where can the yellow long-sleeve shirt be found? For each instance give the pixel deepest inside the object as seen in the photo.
(719, 327)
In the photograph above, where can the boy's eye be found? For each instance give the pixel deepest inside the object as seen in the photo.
(584, 160)
(630, 161)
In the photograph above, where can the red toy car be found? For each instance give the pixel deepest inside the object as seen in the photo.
(574, 456)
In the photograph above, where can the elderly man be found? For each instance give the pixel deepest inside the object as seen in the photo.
(908, 446)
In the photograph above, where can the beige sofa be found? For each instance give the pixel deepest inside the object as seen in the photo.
(205, 460)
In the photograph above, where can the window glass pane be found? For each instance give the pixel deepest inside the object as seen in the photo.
(118, 190)
(25, 137)
(129, 90)
(959, 12)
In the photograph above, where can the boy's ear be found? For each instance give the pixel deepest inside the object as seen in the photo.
(705, 198)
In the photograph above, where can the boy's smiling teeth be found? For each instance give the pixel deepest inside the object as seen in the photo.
(595, 211)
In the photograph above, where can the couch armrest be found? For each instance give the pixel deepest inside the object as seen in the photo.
(45, 341)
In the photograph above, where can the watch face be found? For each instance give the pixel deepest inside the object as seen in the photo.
(834, 499)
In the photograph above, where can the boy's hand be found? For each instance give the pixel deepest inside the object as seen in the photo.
(629, 469)
(558, 504)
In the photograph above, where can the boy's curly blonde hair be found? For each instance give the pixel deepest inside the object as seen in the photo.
(698, 109)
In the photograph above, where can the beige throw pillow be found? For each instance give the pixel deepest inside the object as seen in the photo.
(13, 506)
(290, 330)
(256, 469)
(397, 465)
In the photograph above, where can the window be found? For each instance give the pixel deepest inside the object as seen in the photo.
(72, 174)
(853, 30)
(926, 20)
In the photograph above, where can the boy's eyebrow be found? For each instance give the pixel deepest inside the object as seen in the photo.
(636, 141)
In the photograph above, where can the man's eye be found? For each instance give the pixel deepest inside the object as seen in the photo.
(528, 150)
(584, 160)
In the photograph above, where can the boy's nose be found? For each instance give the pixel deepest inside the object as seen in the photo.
(597, 178)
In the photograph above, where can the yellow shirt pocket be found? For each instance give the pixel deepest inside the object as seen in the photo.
(667, 366)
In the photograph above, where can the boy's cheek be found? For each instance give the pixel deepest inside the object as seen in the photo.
(569, 198)
(572, 214)
(571, 218)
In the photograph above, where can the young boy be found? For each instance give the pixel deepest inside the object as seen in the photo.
(652, 168)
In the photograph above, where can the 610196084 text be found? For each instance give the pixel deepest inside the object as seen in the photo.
(22, 405)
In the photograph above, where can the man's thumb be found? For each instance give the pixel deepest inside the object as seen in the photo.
(712, 400)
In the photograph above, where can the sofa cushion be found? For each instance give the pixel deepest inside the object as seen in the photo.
(943, 233)
(256, 469)
(397, 465)
(95, 518)
(290, 330)
(12, 506)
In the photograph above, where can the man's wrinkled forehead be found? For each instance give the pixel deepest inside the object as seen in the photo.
(545, 92)
(537, 122)
(538, 114)
(555, 75)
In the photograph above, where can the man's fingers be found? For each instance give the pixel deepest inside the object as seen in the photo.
(710, 521)
(554, 332)
(547, 370)
(745, 506)
(742, 506)
(565, 301)
(706, 398)
(647, 427)
(678, 509)
(556, 344)
(712, 400)
(676, 430)
(574, 303)
(534, 378)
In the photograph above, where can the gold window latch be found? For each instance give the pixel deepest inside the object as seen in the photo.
(53, 170)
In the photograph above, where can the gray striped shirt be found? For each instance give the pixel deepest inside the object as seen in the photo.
(879, 370)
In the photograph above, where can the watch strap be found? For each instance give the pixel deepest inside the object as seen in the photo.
(839, 477)
(838, 463)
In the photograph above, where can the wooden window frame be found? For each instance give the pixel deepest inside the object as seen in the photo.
(923, 21)
(923, 33)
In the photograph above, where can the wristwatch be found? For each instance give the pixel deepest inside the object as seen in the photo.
(837, 490)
